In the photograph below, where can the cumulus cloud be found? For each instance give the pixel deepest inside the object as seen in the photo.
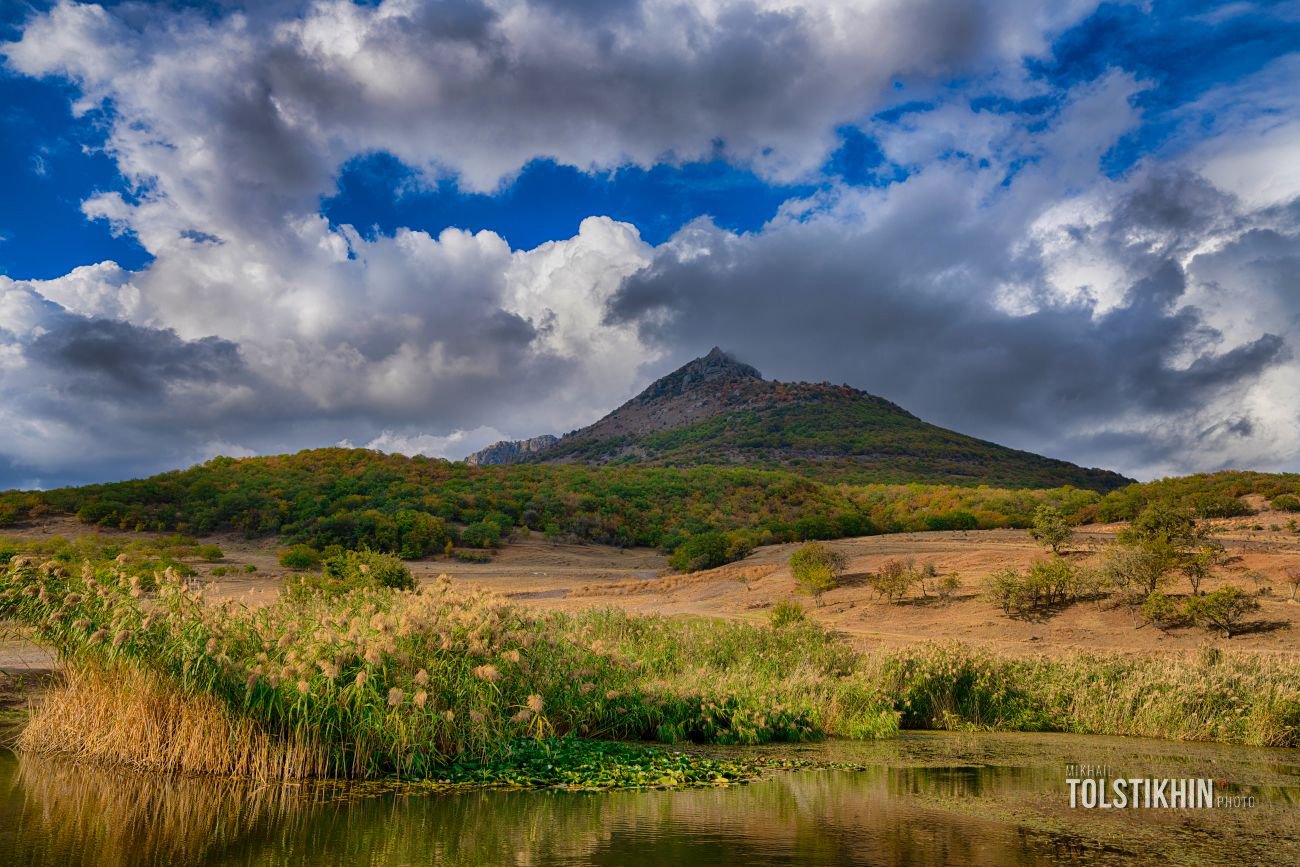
(1005, 287)
(975, 303)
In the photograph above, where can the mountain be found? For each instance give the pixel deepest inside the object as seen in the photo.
(510, 451)
(718, 410)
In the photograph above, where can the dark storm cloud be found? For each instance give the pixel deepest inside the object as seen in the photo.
(907, 313)
(108, 359)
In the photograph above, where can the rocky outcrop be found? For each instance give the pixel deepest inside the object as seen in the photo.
(511, 451)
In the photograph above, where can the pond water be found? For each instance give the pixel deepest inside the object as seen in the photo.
(921, 799)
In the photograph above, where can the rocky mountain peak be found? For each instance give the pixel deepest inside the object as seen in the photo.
(718, 367)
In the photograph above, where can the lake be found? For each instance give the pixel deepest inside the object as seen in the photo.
(925, 798)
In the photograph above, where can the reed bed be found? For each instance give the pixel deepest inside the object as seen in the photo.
(382, 682)
(387, 682)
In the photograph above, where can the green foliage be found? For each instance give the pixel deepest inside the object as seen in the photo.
(839, 435)
(1162, 539)
(408, 683)
(210, 553)
(420, 534)
(1051, 528)
(1161, 611)
(1046, 584)
(1205, 495)
(368, 568)
(709, 550)
(1286, 503)
(787, 612)
(817, 568)
(1224, 609)
(481, 534)
(470, 555)
(300, 557)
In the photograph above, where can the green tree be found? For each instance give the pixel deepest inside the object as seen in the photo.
(1051, 528)
(817, 568)
(1224, 609)
(1162, 539)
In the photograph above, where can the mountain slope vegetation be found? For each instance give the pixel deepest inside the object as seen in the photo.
(718, 411)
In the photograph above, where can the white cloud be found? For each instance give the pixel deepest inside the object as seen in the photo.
(232, 128)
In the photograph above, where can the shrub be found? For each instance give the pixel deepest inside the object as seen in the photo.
(469, 555)
(1218, 506)
(708, 551)
(947, 585)
(210, 553)
(481, 534)
(1286, 503)
(894, 578)
(369, 569)
(785, 613)
(1224, 609)
(1161, 611)
(300, 558)
(1046, 584)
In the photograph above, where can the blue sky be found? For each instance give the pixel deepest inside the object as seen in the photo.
(53, 159)
(286, 179)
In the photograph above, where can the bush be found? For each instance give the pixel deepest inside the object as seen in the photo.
(210, 553)
(9, 514)
(369, 569)
(1218, 506)
(1161, 611)
(947, 585)
(481, 534)
(708, 551)
(1286, 503)
(895, 578)
(300, 558)
(817, 568)
(1046, 584)
(469, 555)
(785, 613)
(1224, 609)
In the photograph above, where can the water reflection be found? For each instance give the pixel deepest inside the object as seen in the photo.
(908, 809)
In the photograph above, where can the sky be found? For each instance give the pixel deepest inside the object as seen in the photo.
(422, 226)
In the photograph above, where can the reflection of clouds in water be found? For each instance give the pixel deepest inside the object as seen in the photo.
(930, 800)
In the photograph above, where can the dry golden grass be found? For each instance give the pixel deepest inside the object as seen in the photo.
(126, 716)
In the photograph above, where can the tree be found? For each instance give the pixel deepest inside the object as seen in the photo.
(1201, 563)
(1162, 539)
(817, 568)
(1224, 609)
(894, 578)
(1051, 528)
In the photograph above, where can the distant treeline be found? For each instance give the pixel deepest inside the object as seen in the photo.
(416, 506)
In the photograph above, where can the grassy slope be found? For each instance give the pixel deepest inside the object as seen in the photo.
(356, 497)
(838, 435)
